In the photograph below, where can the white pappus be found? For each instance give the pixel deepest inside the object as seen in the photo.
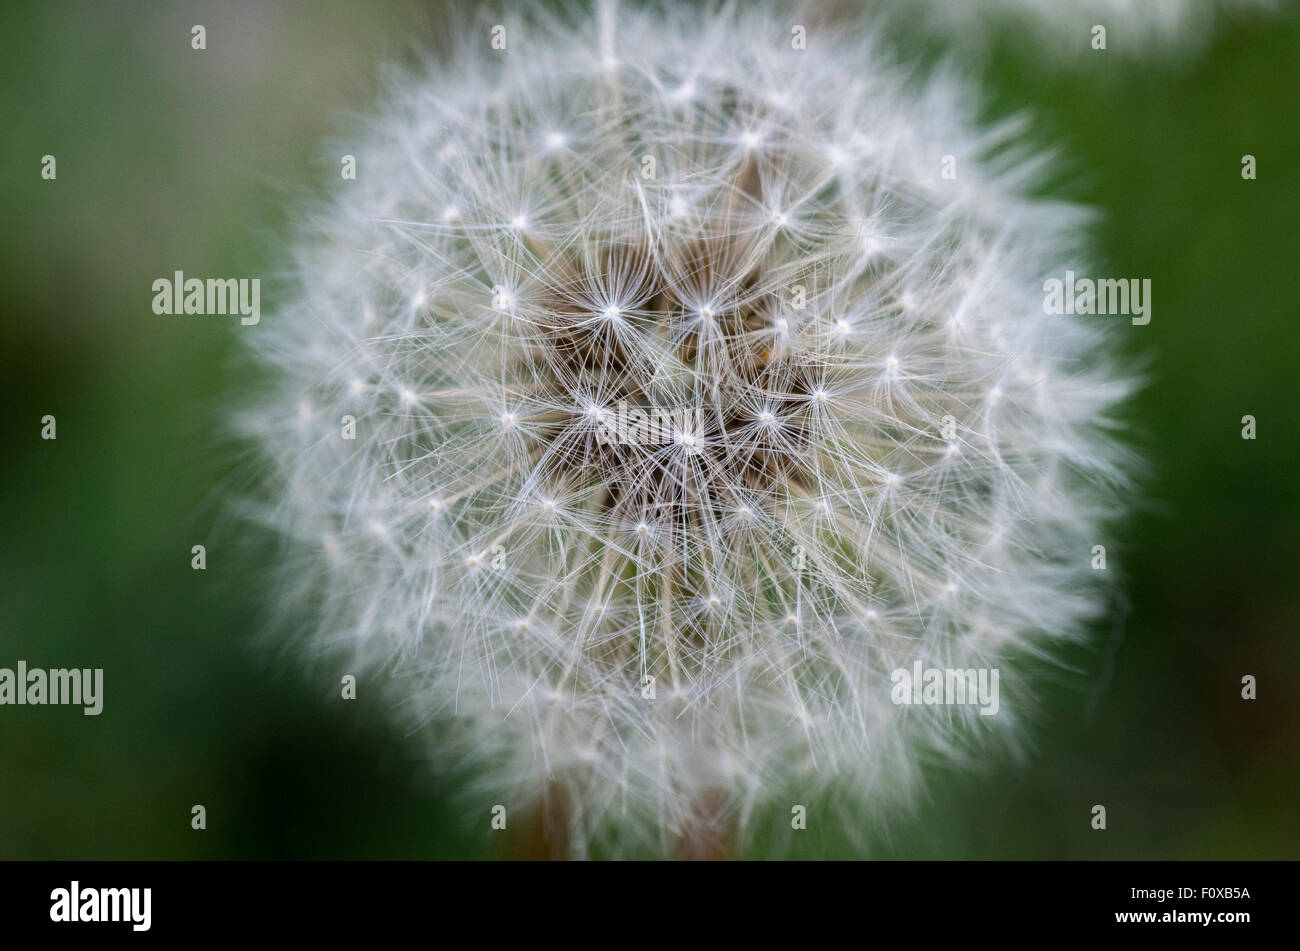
(827, 266)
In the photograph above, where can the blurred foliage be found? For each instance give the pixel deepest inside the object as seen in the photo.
(170, 158)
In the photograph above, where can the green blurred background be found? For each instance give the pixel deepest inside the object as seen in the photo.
(171, 159)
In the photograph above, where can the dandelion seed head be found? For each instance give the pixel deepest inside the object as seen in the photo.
(795, 527)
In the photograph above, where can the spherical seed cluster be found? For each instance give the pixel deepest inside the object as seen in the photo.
(658, 389)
